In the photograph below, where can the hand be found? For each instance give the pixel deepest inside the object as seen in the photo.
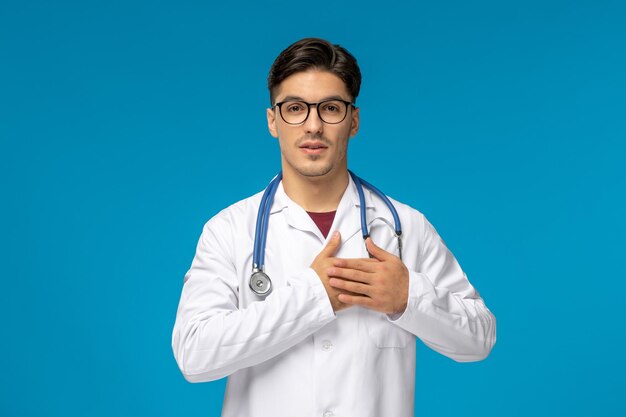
(380, 283)
(321, 263)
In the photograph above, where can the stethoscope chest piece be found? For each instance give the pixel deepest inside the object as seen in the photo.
(260, 283)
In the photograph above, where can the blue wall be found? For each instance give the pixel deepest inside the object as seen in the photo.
(125, 125)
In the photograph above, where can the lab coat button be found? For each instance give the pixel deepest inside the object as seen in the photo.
(329, 414)
(327, 345)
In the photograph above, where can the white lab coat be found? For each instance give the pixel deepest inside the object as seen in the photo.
(290, 354)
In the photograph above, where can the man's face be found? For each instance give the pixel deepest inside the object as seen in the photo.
(313, 148)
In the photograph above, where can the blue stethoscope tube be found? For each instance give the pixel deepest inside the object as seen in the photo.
(260, 282)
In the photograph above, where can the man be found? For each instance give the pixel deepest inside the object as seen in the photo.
(335, 336)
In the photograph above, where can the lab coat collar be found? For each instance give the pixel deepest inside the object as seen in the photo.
(347, 219)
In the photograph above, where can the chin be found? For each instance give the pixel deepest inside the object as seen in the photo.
(315, 171)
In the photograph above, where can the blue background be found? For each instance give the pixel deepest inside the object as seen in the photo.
(125, 125)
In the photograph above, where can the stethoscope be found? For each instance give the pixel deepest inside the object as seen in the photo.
(260, 282)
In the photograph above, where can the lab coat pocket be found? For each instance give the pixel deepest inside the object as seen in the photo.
(381, 332)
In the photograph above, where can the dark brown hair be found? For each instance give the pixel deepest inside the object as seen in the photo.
(315, 53)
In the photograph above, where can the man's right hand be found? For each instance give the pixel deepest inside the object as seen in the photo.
(321, 263)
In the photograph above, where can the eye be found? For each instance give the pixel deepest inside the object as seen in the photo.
(332, 107)
(295, 107)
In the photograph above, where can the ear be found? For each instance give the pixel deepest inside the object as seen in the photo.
(271, 122)
(354, 123)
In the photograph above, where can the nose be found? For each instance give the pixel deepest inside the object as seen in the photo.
(313, 123)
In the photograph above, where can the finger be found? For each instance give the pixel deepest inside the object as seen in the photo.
(331, 246)
(353, 287)
(356, 300)
(361, 264)
(377, 252)
(350, 274)
(348, 292)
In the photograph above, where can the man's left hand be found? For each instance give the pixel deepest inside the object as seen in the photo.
(381, 281)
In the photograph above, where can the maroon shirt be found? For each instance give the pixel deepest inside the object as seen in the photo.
(323, 221)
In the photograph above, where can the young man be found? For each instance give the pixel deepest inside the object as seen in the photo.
(334, 332)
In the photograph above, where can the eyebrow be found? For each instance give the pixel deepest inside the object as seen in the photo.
(298, 98)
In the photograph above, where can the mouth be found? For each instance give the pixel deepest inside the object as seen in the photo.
(313, 148)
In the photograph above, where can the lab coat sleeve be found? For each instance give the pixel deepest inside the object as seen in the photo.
(212, 337)
(443, 308)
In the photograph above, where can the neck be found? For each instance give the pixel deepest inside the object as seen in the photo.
(316, 194)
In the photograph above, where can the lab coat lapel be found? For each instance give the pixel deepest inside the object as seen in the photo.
(348, 217)
(295, 215)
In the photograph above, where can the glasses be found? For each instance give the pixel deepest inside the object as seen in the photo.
(331, 111)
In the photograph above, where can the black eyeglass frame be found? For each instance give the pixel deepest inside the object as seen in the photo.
(317, 107)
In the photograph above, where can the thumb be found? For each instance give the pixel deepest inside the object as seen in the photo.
(375, 251)
(331, 246)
